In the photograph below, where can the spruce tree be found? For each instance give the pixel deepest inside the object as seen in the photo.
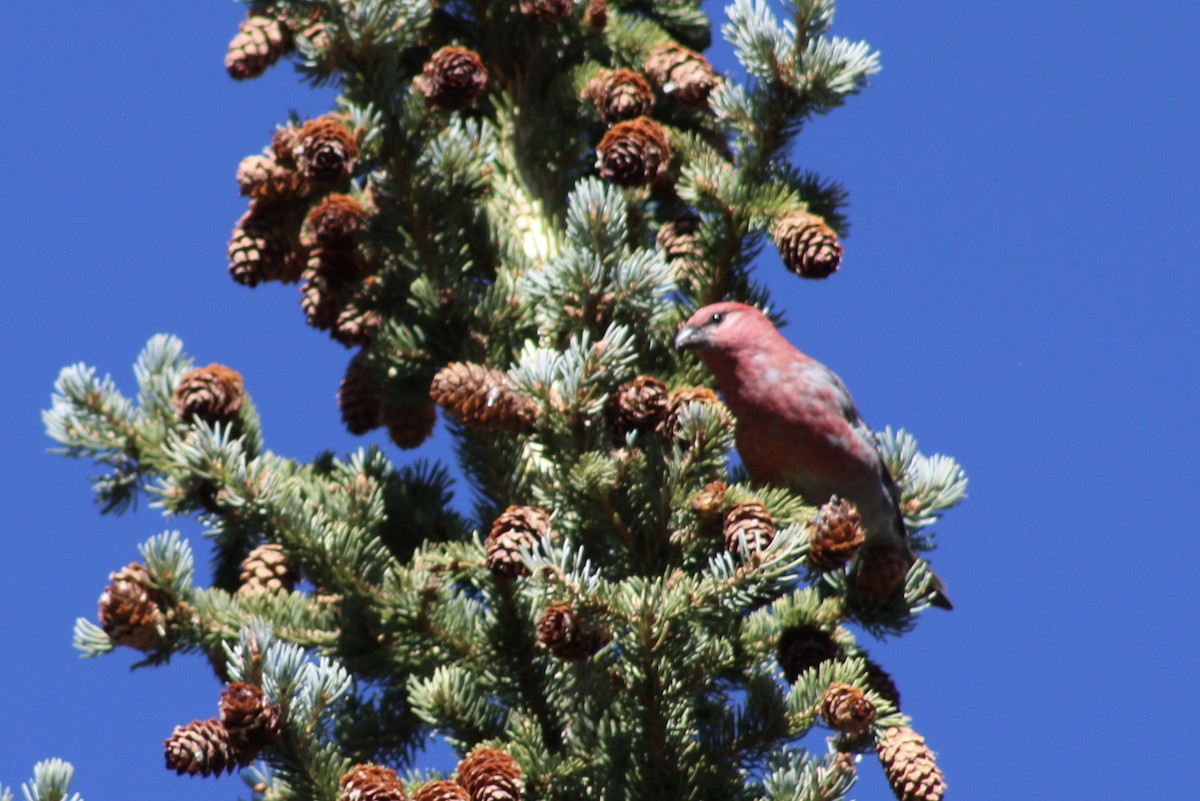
(506, 217)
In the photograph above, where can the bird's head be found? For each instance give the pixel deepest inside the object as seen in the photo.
(722, 328)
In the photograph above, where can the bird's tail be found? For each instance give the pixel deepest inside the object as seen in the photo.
(940, 599)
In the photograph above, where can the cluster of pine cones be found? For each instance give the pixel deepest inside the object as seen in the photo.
(486, 774)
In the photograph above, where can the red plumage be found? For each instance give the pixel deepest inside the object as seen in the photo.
(797, 425)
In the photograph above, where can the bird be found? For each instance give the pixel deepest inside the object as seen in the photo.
(797, 426)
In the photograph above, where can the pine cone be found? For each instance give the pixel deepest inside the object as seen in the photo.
(130, 610)
(804, 647)
(568, 636)
(267, 569)
(679, 398)
(633, 152)
(371, 783)
(547, 12)
(845, 762)
(709, 501)
(846, 709)
(409, 423)
(620, 95)
(214, 394)
(910, 765)
(260, 42)
(517, 527)
(454, 78)
(250, 718)
(319, 51)
(808, 246)
(336, 220)
(441, 791)
(326, 285)
(265, 246)
(263, 178)
(358, 322)
(201, 748)
(324, 150)
(638, 405)
(879, 681)
(879, 570)
(684, 395)
(482, 398)
(834, 535)
(683, 75)
(283, 145)
(358, 397)
(597, 14)
(679, 241)
(748, 529)
(490, 775)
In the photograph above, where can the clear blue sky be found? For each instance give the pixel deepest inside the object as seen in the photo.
(1020, 290)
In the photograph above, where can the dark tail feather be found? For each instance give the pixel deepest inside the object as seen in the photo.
(940, 599)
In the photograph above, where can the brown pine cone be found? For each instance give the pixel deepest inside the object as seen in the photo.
(340, 263)
(490, 775)
(679, 241)
(454, 78)
(846, 709)
(260, 42)
(597, 14)
(879, 570)
(568, 636)
(358, 322)
(845, 762)
(620, 95)
(201, 748)
(679, 398)
(130, 610)
(263, 178)
(709, 501)
(834, 535)
(637, 405)
(683, 75)
(326, 286)
(250, 718)
(336, 220)
(482, 398)
(409, 422)
(804, 647)
(633, 152)
(359, 397)
(371, 783)
(213, 394)
(547, 12)
(441, 791)
(808, 246)
(748, 529)
(684, 395)
(265, 246)
(267, 569)
(879, 681)
(910, 765)
(324, 151)
(517, 527)
(283, 145)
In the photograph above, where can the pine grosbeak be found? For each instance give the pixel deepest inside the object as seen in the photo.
(797, 426)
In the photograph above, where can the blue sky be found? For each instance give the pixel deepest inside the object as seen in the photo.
(1020, 290)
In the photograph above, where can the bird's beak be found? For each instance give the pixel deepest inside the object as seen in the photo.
(689, 337)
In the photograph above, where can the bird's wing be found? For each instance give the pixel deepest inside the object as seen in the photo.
(854, 419)
(841, 395)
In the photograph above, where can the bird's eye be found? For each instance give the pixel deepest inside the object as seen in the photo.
(718, 317)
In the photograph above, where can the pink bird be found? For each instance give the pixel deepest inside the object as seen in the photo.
(797, 426)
